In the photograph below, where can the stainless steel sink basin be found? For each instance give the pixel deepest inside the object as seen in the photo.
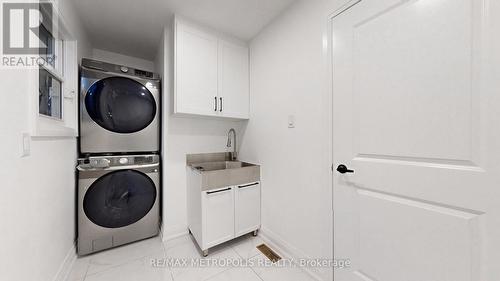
(215, 166)
(217, 170)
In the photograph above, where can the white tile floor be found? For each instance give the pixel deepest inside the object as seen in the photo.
(134, 262)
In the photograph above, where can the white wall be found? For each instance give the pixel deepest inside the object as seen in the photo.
(122, 59)
(183, 136)
(74, 24)
(288, 68)
(37, 205)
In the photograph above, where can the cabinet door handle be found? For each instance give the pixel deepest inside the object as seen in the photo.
(215, 98)
(248, 185)
(220, 104)
(217, 191)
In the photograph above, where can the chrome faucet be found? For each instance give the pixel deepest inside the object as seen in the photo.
(234, 153)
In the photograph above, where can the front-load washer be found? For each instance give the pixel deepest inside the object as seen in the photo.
(119, 109)
(118, 201)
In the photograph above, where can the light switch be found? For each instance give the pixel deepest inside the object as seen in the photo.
(26, 145)
(291, 121)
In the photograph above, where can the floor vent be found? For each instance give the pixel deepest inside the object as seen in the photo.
(270, 254)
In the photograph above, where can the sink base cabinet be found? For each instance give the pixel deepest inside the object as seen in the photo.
(247, 208)
(219, 215)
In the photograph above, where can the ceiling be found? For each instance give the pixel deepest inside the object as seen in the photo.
(134, 27)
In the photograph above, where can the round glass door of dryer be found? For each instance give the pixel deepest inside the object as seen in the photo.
(119, 198)
(120, 105)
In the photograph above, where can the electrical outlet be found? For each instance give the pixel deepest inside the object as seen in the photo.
(25, 145)
(291, 121)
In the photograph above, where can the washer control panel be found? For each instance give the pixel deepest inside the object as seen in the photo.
(99, 162)
(102, 162)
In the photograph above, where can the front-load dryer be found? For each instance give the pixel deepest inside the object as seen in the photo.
(119, 109)
(118, 201)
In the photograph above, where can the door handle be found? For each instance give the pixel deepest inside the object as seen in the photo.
(218, 191)
(220, 104)
(215, 103)
(248, 185)
(343, 169)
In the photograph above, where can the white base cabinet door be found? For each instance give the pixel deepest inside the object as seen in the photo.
(247, 208)
(218, 216)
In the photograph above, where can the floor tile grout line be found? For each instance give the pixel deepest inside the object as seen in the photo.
(175, 245)
(207, 279)
(86, 271)
(255, 272)
(171, 275)
(115, 265)
(226, 269)
(165, 257)
(241, 257)
(233, 247)
(253, 267)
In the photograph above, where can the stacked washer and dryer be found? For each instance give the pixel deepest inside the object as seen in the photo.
(119, 170)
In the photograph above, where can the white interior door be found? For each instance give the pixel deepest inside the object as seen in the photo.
(416, 112)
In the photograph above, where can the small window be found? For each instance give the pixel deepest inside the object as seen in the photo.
(50, 95)
(54, 97)
(48, 39)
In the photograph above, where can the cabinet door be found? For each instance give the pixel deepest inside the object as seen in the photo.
(233, 80)
(247, 206)
(218, 216)
(195, 71)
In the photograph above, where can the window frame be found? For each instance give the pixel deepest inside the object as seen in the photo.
(65, 71)
(54, 76)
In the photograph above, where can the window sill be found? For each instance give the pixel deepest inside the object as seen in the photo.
(50, 127)
(63, 132)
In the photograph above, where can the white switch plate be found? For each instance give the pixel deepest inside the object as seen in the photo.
(26, 145)
(291, 121)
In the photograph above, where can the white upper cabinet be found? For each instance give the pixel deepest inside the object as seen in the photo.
(195, 71)
(211, 74)
(233, 80)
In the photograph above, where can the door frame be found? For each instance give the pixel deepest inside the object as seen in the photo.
(328, 49)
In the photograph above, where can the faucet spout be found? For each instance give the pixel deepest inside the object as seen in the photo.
(232, 133)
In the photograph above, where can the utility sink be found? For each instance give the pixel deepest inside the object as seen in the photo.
(216, 170)
(223, 198)
(215, 166)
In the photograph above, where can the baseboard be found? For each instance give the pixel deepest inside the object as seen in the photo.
(284, 248)
(173, 232)
(66, 266)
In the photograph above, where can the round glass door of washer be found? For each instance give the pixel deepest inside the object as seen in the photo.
(120, 105)
(119, 198)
